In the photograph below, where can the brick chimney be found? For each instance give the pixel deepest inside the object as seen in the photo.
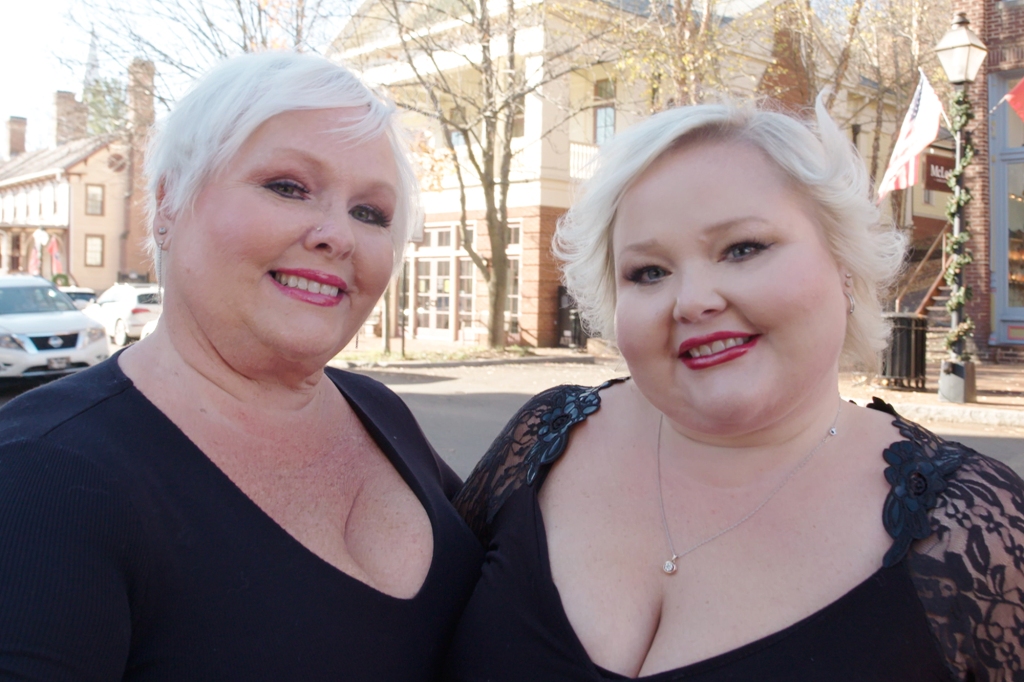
(16, 135)
(72, 117)
(140, 95)
(134, 257)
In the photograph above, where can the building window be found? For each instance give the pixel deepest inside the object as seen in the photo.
(468, 236)
(512, 234)
(433, 292)
(457, 117)
(604, 124)
(1015, 237)
(855, 134)
(467, 276)
(437, 237)
(513, 296)
(94, 200)
(604, 110)
(928, 197)
(94, 250)
(15, 265)
(519, 118)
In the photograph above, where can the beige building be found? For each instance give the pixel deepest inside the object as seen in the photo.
(74, 195)
(77, 209)
(557, 132)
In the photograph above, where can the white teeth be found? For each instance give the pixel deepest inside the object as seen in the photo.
(306, 285)
(718, 346)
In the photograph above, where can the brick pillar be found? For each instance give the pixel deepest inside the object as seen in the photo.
(538, 278)
(135, 259)
(978, 274)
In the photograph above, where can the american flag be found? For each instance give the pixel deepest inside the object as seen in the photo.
(919, 129)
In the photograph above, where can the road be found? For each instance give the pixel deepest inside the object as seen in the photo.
(462, 409)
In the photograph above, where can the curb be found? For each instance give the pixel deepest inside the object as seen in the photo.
(987, 416)
(422, 364)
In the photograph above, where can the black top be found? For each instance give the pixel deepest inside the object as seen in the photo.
(126, 554)
(947, 603)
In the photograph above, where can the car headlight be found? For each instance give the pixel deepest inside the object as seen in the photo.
(94, 334)
(9, 341)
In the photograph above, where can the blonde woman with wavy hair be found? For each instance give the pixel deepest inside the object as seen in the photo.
(722, 514)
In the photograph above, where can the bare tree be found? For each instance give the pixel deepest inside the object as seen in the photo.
(184, 38)
(466, 72)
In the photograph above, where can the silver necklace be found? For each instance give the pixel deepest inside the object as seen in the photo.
(671, 565)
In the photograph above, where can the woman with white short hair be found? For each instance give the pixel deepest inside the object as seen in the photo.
(214, 503)
(723, 514)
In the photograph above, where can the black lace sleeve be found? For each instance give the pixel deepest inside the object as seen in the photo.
(532, 440)
(958, 518)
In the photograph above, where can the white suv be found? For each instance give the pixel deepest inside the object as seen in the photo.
(42, 333)
(124, 309)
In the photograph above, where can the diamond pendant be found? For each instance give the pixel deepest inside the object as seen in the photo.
(670, 566)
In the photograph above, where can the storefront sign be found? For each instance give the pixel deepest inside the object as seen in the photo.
(936, 170)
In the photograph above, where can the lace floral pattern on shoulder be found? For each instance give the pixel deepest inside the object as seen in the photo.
(534, 439)
(958, 519)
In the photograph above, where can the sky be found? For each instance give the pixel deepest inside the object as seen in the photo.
(33, 35)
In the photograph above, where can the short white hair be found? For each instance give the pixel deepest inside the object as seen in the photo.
(212, 122)
(818, 160)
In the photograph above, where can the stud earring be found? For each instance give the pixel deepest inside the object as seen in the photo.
(319, 228)
(162, 230)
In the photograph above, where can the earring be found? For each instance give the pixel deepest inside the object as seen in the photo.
(853, 305)
(320, 228)
(162, 230)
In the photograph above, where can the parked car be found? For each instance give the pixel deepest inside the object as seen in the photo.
(42, 333)
(149, 328)
(81, 296)
(124, 309)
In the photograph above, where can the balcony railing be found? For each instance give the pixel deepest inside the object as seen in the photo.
(581, 158)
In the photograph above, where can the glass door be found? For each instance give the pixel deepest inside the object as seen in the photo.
(433, 294)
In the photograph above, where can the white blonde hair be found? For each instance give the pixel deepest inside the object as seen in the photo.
(818, 160)
(212, 122)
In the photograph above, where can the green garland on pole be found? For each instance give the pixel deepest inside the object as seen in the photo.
(959, 256)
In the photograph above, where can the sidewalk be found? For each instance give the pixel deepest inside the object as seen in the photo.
(1000, 397)
(368, 352)
(1000, 387)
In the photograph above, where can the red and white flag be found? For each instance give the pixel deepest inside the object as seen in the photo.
(920, 128)
(1015, 98)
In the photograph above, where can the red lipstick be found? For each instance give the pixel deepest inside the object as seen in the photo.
(721, 356)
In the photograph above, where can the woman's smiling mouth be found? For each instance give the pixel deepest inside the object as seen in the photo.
(311, 286)
(714, 349)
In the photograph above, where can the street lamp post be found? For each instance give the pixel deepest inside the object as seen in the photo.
(961, 53)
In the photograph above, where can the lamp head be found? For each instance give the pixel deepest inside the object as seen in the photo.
(961, 51)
